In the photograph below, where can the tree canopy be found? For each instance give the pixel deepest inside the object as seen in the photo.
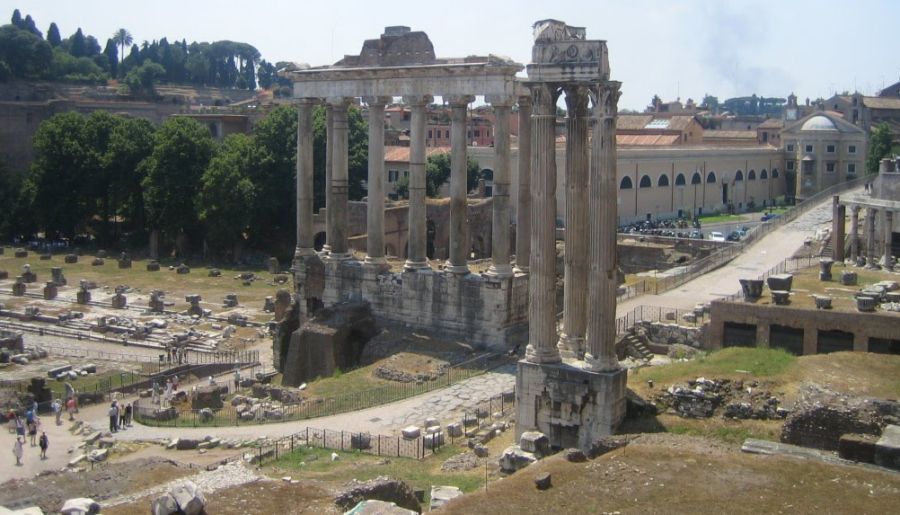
(879, 147)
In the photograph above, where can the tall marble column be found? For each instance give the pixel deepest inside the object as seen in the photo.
(329, 164)
(888, 232)
(500, 265)
(305, 237)
(459, 216)
(375, 181)
(337, 213)
(838, 225)
(542, 272)
(571, 341)
(601, 329)
(871, 260)
(416, 257)
(523, 202)
(854, 233)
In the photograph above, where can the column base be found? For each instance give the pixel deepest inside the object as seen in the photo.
(500, 271)
(376, 264)
(520, 269)
(570, 347)
(301, 252)
(457, 269)
(601, 364)
(411, 266)
(542, 355)
(378, 260)
(334, 256)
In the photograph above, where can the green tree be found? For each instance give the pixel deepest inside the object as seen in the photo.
(10, 187)
(122, 38)
(142, 80)
(879, 147)
(53, 36)
(130, 143)
(77, 44)
(98, 174)
(437, 173)
(226, 193)
(181, 152)
(274, 210)
(27, 55)
(111, 55)
(55, 187)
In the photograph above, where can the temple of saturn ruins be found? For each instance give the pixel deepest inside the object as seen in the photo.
(569, 385)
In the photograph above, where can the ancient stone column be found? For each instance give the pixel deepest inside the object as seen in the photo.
(542, 263)
(838, 224)
(601, 329)
(571, 341)
(870, 237)
(375, 203)
(305, 236)
(416, 257)
(854, 233)
(500, 266)
(337, 213)
(459, 219)
(329, 147)
(523, 203)
(888, 233)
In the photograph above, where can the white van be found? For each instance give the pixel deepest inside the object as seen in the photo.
(716, 236)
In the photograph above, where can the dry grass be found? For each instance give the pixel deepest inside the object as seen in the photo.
(676, 474)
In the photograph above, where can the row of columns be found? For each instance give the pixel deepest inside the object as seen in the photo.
(336, 177)
(590, 264)
(887, 222)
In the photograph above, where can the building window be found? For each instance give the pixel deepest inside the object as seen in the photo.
(711, 177)
(696, 178)
(765, 137)
(679, 180)
(808, 149)
(829, 167)
(429, 133)
(829, 149)
(625, 184)
(775, 171)
(789, 147)
(738, 176)
(406, 173)
(392, 175)
(646, 182)
(751, 175)
(763, 175)
(851, 149)
(477, 133)
(790, 166)
(851, 168)
(663, 180)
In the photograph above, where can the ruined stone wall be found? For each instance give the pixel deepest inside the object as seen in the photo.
(670, 334)
(862, 325)
(474, 308)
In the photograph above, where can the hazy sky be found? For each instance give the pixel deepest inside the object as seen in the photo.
(671, 48)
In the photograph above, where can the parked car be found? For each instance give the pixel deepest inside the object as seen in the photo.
(768, 216)
(734, 236)
(696, 235)
(716, 236)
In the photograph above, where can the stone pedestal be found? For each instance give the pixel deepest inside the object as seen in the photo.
(781, 282)
(157, 304)
(125, 263)
(119, 301)
(83, 296)
(825, 265)
(572, 406)
(752, 288)
(71, 259)
(865, 303)
(57, 276)
(153, 266)
(50, 291)
(18, 288)
(781, 297)
(822, 301)
(849, 278)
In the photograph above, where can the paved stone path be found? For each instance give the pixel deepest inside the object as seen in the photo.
(756, 259)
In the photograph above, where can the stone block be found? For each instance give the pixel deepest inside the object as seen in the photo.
(411, 432)
(182, 269)
(752, 289)
(50, 291)
(441, 495)
(119, 301)
(822, 301)
(514, 458)
(865, 304)
(46, 257)
(20, 253)
(535, 442)
(125, 263)
(825, 265)
(153, 266)
(542, 481)
(56, 275)
(857, 447)
(70, 259)
(433, 440)
(849, 278)
(189, 498)
(781, 297)
(214, 272)
(887, 449)
(455, 429)
(782, 282)
(101, 254)
(18, 289)
(187, 444)
(431, 422)
(98, 261)
(481, 451)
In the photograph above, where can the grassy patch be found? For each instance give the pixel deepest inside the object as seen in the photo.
(315, 463)
(731, 362)
(729, 431)
(716, 218)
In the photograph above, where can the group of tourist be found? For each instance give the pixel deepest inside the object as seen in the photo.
(119, 417)
(170, 389)
(27, 426)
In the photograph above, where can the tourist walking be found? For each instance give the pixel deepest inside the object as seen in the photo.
(32, 432)
(70, 407)
(237, 378)
(169, 390)
(113, 418)
(18, 450)
(44, 442)
(155, 392)
(128, 413)
(20, 427)
(56, 407)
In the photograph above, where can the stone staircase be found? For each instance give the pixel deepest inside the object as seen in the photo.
(632, 345)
